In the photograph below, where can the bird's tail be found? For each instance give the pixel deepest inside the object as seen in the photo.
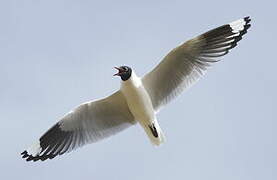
(154, 133)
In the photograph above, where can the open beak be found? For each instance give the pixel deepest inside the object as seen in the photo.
(119, 71)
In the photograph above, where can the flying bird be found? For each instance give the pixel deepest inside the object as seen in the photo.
(139, 98)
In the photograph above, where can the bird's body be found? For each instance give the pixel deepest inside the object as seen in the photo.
(139, 99)
(141, 107)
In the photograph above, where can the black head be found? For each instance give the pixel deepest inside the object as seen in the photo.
(124, 72)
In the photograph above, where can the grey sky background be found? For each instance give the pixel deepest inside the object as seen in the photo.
(57, 54)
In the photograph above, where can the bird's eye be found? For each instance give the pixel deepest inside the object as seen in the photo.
(125, 68)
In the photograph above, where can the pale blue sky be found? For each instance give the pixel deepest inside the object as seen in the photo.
(57, 54)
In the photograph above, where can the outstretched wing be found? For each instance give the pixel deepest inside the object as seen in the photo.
(88, 123)
(185, 64)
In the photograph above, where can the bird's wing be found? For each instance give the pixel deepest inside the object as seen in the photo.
(88, 123)
(185, 64)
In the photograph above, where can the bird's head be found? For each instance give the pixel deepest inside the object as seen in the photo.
(124, 72)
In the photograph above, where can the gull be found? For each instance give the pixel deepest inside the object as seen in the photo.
(139, 99)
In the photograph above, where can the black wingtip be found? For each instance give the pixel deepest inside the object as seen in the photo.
(247, 19)
(247, 22)
(53, 143)
(246, 26)
(24, 154)
(29, 157)
(220, 40)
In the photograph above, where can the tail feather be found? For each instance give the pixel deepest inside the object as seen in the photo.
(154, 133)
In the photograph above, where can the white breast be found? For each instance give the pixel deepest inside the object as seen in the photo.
(138, 100)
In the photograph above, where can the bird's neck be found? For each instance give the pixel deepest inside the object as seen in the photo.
(134, 80)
